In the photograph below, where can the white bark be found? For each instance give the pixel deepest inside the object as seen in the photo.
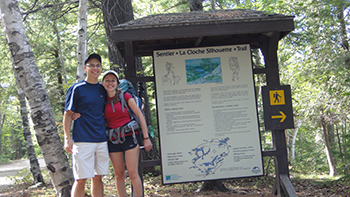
(81, 50)
(331, 163)
(31, 82)
(292, 150)
(294, 138)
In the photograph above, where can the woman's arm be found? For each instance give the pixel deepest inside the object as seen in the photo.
(146, 140)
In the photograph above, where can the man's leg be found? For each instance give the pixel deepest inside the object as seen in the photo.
(83, 167)
(101, 168)
(78, 189)
(97, 186)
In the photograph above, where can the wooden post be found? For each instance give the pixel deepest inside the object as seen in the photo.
(130, 74)
(130, 68)
(269, 46)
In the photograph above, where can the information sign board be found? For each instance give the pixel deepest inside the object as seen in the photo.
(207, 116)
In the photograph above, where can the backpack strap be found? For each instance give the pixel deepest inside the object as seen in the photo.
(118, 134)
(125, 104)
(116, 99)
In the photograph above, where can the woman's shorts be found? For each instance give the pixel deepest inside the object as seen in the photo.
(127, 145)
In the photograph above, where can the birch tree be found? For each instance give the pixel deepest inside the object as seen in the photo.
(30, 80)
(33, 160)
(330, 159)
(81, 50)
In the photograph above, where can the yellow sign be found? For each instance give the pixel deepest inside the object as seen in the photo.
(277, 97)
(282, 116)
(278, 111)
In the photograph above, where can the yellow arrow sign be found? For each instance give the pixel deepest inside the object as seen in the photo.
(282, 116)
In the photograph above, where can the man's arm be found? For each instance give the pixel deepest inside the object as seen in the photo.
(67, 123)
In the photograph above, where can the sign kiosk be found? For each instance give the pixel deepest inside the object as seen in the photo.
(207, 111)
(206, 103)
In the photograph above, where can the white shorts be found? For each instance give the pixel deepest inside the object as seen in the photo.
(90, 159)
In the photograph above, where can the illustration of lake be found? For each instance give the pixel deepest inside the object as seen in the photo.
(204, 70)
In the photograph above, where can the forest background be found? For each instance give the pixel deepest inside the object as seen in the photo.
(314, 59)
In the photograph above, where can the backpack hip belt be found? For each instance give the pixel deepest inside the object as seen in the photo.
(119, 133)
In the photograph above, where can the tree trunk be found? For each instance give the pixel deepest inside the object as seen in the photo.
(213, 2)
(331, 134)
(214, 185)
(343, 133)
(331, 164)
(2, 120)
(196, 5)
(30, 80)
(60, 56)
(34, 164)
(293, 140)
(115, 13)
(60, 93)
(238, 3)
(292, 149)
(343, 142)
(339, 144)
(343, 34)
(81, 49)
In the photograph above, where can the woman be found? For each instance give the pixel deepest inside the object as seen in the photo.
(130, 149)
(117, 118)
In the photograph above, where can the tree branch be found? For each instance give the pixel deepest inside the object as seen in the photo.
(32, 10)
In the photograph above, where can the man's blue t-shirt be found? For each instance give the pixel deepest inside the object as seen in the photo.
(88, 100)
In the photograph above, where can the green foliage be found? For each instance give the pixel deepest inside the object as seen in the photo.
(22, 176)
(4, 159)
(13, 145)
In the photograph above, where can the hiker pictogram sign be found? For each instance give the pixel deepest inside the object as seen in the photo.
(277, 97)
(277, 103)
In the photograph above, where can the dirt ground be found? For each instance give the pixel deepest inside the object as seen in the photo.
(247, 187)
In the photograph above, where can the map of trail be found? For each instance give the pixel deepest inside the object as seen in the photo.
(210, 155)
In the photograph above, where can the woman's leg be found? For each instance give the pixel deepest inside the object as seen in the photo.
(132, 161)
(117, 160)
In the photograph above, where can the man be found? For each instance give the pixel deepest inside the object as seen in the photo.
(88, 143)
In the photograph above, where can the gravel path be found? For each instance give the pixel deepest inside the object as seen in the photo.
(10, 169)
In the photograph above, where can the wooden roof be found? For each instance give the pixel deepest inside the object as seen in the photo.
(199, 29)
